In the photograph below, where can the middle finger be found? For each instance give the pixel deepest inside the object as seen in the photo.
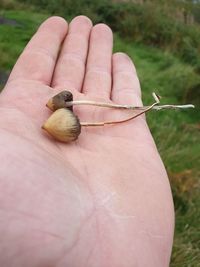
(70, 69)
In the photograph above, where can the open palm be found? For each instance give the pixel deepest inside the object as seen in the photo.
(102, 201)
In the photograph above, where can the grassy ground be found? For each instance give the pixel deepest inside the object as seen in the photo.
(177, 136)
(176, 132)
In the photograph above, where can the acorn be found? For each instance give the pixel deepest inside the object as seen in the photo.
(59, 101)
(63, 125)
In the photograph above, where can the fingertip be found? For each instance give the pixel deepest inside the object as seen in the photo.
(102, 30)
(84, 20)
(54, 23)
(123, 61)
(121, 56)
(103, 26)
(126, 85)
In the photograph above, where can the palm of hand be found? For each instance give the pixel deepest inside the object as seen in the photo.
(100, 201)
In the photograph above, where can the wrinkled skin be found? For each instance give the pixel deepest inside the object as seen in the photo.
(102, 201)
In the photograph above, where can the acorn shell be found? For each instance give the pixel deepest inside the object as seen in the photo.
(59, 100)
(63, 125)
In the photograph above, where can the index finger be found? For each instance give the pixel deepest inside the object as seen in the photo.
(38, 59)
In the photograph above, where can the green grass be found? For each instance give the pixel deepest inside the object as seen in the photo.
(176, 132)
(14, 38)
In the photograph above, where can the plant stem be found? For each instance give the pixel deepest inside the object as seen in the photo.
(143, 109)
(117, 106)
(120, 121)
(174, 107)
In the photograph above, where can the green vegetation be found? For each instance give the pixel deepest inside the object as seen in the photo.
(153, 22)
(174, 77)
(13, 38)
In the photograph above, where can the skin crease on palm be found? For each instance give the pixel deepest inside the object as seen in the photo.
(101, 201)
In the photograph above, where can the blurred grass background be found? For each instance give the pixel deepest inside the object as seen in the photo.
(163, 39)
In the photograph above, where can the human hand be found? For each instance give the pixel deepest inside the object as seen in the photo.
(102, 201)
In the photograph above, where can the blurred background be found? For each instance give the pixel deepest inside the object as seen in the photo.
(163, 39)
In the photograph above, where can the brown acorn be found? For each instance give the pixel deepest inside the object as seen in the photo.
(59, 100)
(63, 125)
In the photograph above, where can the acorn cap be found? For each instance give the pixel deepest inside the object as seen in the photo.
(63, 125)
(59, 100)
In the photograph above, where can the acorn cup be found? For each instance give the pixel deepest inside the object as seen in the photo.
(63, 125)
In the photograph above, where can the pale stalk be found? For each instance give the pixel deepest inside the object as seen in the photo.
(124, 120)
(117, 106)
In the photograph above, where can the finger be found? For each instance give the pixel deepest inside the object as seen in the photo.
(39, 57)
(70, 69)
(98, 70)
(126, 86)
(126, 90)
